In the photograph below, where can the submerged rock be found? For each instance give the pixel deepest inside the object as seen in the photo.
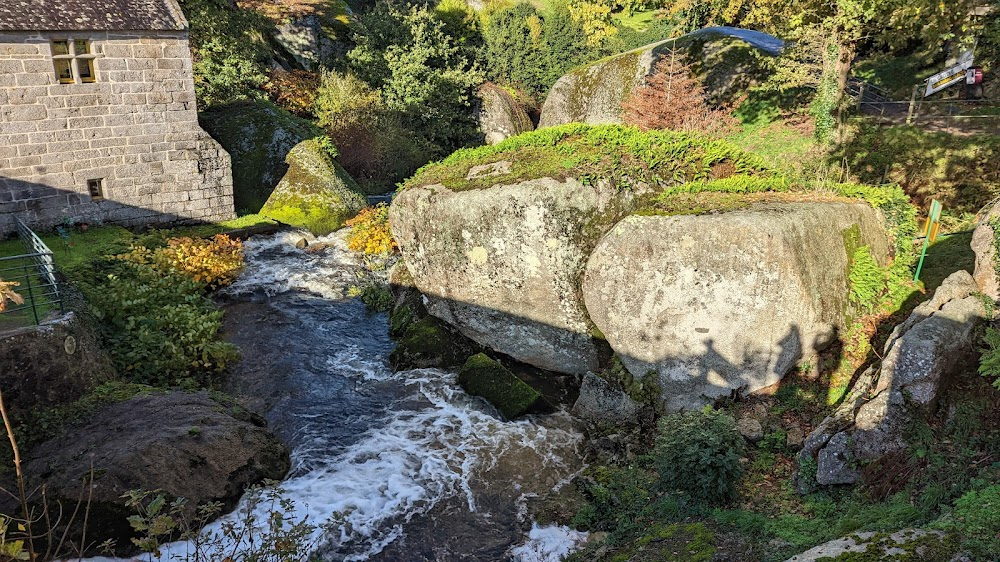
(184, 444)
(512, 397)
(315, 193)
(716, 303)
(429, 342)
(935, 342)
(726, 60)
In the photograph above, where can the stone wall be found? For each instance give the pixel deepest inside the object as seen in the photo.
(136, 128)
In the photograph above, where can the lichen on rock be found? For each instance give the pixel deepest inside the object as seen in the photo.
(315, 193)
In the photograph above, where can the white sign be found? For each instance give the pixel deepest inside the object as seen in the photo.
(949, 76)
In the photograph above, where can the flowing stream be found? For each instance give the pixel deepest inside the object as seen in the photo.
(389, 466)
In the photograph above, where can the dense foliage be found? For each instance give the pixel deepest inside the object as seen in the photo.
(422, 71)
(231, 50)
(214, 262)
(698, 453)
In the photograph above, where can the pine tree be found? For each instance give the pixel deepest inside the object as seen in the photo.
(672, 98)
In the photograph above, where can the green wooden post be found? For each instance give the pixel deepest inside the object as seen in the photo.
(930, 232)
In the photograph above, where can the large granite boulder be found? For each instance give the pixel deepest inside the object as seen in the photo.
(936, 341)
(315, 193)
(726, 60)
(500, 115)
(984, 243)
(714, 303)
(184, 444)
(503, 264)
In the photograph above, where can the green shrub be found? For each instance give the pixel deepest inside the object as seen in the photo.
(978, 517)
(615, 497)
(159, 327)
(989, 361)
(866, 278)
(231, 51)
(699, 453)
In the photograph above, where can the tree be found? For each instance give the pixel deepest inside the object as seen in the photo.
(673, 99)
(424, 73)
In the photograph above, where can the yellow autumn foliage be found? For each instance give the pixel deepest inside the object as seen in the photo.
(215, 262)
(370, 232)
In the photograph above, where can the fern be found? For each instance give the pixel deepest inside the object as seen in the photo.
(867, 279)
(989, 362)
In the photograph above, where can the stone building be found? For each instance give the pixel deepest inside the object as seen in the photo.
(98, 120)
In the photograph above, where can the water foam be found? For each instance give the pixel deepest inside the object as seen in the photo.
(548, 544)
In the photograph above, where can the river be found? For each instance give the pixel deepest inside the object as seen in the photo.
(389, 466)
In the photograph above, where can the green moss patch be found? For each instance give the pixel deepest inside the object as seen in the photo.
(623, 155)
(512, 397)
(315, 193)
(429, 342)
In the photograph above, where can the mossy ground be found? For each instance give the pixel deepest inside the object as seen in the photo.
(624, 155)
(485, 377)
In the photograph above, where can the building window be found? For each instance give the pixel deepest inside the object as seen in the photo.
(73, 61)
(96, 189)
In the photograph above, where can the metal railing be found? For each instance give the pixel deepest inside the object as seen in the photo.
(872, 102)
(35, 275)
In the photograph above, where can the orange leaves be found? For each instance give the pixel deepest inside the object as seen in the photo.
(371, 234)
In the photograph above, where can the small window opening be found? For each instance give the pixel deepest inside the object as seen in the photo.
(73, 61)
(96, 189)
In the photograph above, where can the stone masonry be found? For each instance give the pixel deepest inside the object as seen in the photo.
(135, 128)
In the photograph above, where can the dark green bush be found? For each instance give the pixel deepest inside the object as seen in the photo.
(160, 328)
(698, 453)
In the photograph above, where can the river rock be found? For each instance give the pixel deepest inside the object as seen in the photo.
(500, 115)
(716, 303)
(428, 342)
(750, 429)
(512, 397)
(602, 403)
(185, 444)
(503, 264)
(935, 342)
(725, 60)
(315, 193)
(882, 546)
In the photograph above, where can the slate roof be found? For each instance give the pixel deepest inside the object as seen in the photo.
(91, 15)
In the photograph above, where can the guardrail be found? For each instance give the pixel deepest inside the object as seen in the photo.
(874, 103)
(35, 275)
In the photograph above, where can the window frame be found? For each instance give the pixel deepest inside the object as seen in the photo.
(74, 59)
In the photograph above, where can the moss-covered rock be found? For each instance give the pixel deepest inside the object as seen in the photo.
(512, 397)
(726, 60)
(501, 254)
(500, 115)
(258, 136)
(315, 193)
(429, 342)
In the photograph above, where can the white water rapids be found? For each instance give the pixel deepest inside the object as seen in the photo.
(374, 450)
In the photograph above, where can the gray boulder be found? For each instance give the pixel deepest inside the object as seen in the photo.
(185, 444)
(936, 341)
(985, 245)
(905, 543)
(726, 60)
(500, 116)
(503, 264)
(714, 303)
(601, 402)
